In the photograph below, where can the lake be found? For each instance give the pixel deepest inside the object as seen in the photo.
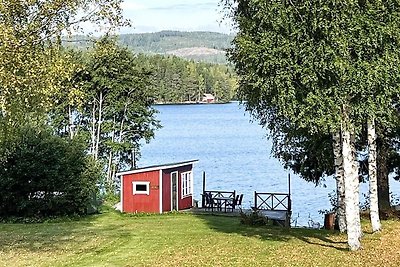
(235, 154)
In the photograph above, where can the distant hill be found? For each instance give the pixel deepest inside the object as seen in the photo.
(199, 46)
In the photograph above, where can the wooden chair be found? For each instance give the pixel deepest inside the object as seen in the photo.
(237, 201)
(209, 202)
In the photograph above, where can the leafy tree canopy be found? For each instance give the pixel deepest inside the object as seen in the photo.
(307, 61)
(31, 67)
(42, 174)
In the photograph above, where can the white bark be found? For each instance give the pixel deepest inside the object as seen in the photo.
(100, 111)
(93, 130)
(70, 123)
(351, 187)
(357, 185)
(373, 180)
(340, 190)
(111, 158)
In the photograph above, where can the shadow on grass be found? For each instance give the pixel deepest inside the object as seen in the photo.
(273, 233)
(54, 235)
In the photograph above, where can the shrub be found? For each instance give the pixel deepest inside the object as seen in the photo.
(44, 175)
(253, 219)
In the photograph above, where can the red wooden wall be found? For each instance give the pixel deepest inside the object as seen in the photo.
(184, 203)
(141, 203)
(151, 202)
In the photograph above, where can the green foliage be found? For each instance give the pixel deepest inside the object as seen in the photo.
(308, 68)
(253, 219)
(309, 155)
(312, 61)
(108, 105)
(161, 42)
(176, 80)
(31, 65)
(45, 175)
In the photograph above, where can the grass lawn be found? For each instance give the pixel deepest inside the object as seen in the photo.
(113, 239)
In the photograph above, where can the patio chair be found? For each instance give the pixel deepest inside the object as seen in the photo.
(209, 202)
(237, 201)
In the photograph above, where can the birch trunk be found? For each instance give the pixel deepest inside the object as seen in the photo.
(110, 158)
(93, 133)
(357, 185)
(70, 123)
(340, 192)
(373, 181)
(96, 154)
(351, 184)
(120, 139)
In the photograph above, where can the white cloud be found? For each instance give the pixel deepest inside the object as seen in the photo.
(132, 6)
(189, 15)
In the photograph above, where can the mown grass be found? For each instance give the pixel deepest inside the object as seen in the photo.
(113, 239)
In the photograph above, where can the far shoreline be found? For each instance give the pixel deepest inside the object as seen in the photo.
(191, 103)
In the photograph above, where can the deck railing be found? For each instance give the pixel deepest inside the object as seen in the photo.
(272, 201)
(277, 203)
(215, 193)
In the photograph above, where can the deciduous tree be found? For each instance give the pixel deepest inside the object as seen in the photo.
(31, 66)
(315, 66)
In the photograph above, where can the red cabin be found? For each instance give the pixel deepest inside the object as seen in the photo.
(158, 188)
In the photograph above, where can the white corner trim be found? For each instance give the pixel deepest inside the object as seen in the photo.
(160, 187)
(122, 193)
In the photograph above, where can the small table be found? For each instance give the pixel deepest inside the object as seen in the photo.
(222, 201)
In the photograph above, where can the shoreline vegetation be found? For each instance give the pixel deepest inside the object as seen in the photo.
(193, 103)
(178, 239)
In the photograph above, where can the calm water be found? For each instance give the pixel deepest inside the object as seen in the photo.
(234, 153)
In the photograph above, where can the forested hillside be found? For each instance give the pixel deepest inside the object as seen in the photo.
(199, 46)
(177, 80)
(164, 41)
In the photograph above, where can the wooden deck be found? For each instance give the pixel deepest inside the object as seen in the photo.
(204, 211)
(274, 206)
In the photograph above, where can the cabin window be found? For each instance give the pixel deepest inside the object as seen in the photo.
(141, 188)
(187, 184)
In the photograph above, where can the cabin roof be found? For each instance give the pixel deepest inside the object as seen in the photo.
(158, 167)
(208, 95)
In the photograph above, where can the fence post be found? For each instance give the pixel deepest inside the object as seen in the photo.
(204, 190)
(255, 200)
(290, 197)
(272, 201)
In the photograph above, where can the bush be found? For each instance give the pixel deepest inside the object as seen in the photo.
(253, 219)
(44, 175)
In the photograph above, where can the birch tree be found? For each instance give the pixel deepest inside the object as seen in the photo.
(315, 64)
(340, 181)
(115, 114)
(372, 174)
(31, 68)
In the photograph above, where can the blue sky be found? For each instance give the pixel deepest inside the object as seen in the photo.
(186, 15)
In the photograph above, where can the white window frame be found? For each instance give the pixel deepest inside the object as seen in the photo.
(135, 183)
(186, 184)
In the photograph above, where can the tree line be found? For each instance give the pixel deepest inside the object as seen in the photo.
(161, 42)
(177, 80)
